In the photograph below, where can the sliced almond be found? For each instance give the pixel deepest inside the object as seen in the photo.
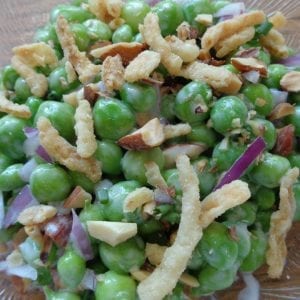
(291, 81)
(149, 136)
(246, 64)
(77, 198)
(281, 110)
(155, 253)
(172, 131)
(113, 233)
(205, 19)
(189, 280)
(127, 51)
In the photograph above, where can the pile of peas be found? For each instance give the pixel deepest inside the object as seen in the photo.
(236, 241)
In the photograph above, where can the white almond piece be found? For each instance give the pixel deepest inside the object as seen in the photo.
(112, 233)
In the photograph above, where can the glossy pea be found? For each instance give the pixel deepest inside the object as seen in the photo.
(22, 90)
(196, 261)
(269, 170)
(203, 135)
(58, 83)
(260, 96)
(148, 227)
(296, 190)
(5, 162)
(123, 257)
(141, 97)
(170, 16)
(133, 163)
(116, 286)
(219, 250)
(172, 178)
(33, 103)
(113, 118)
(294, 160)
(113, 210)
(10, 178)
(228, 113)
(122, 34)
(264, 128)
(263, 219)
(256, 256)
(264, 198)
(9, 77)
(71, 13)
(264, 56)
(83, 181)
(81, 36)
(60, 295)
(47, 34)
(71, 269)
(12, 136)
(294, 119)
(192, 102)
(231, 68)
(138, 38)
(134, 12)
(244, 213)
(50, 183)
(91, 212)
(98, 30)
(243, 239)
(167, 107)
(275, 73)
(61, 116)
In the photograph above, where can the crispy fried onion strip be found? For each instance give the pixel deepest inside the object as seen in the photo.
(29, 56)
(218, 78)
(154, 176)
(165, 276)
(281, 222)
(106, 10)
(225, 29)
(152, 36)
(83, 66)
(84, 128)
(113, 72)
(64, 153)
(137, 199)
(15, 109)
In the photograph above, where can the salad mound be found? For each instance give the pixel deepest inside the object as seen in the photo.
(148, 150)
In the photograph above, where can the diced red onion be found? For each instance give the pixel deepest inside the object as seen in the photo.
(251, 291)
(251, 76)
(31, 144)
(104, 184)
(27, 169)
(30, 132)
(152, 2)
(292, 61)
(232, 9)
(41, 152)
(24, 271)
(162, 197)
(23, 200)
(225, 18)
(243, 162)
(2, 210)
(278, 96)
(80, 238)
(89, 280)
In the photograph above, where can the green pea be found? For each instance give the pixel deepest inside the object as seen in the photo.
(192, 8)
(226, 153)
(192, 102)
(22, 90)
(296, 190)
(243, 240)
(228, 113)
(294, 160)
(113, 118)
(5, 162)
(58, 83)
(244, 213)
(218, 249)
(9, 77)
(265, 129)
(116, 286)
(123, 257)
(134, 12)
(51, 295)
(83, 181)
(141, 97)
(256, 256)
(12, 137)
(47, 34)
(265, 198)
(149, 226)
(113, 210)
(203, 135)
(33, 103)
(167, 107)
(196, 261)
(122, 34)
(81, 36)
(91, 212)
(71, 269)
(71, 13)
(260, 96)
(264, 56)
(231, 68)
(269, 170)
(110, 155)
(294, 119)
(263, 219)
(275, 73)
(170, 16)
(171, 176)
(98, 30)
(178, 293)
(138, 38)
(10, 178)
(61, 116)
(50, 183)
(133, 163)
(101, 190)
(220, 4)
(294, 98)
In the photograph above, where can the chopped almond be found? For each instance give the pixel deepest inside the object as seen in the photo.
(172, 131)
(137, 199)
(77, 198)
(90, 94)
(291, 81)
(149, 136)
(285, 140)
(246, 64)
(281, 110)
(36, 214)
(205, 19)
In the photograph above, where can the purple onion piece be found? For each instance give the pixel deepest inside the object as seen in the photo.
(232, 9)
(41, 152)
(23, 200)
(80, 238)
(26, 171)
(30, 145)
(162, 197)
(89, 280)
(251, 76)
(278, 96)
(152, 2)
(30, 132)
(292, 61)
(243, 162)
(2, 210)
